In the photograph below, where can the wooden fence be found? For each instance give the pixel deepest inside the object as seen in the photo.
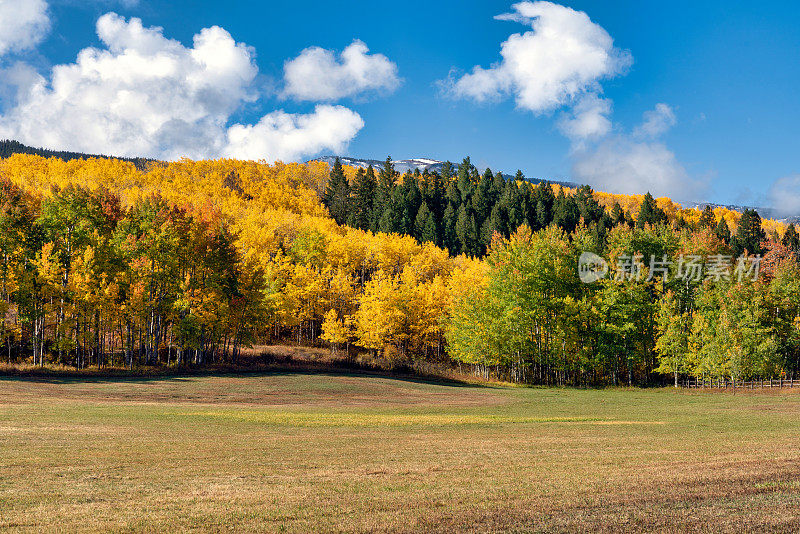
(722, 383)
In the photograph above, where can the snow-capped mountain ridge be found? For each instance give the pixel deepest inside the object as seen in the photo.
(401, 165)
(406, 165)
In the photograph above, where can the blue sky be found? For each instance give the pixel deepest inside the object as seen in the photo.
(727, 71)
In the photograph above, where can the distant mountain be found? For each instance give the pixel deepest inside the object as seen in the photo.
(405, 165)
(765, 213)
(9, 147)
(402, 165)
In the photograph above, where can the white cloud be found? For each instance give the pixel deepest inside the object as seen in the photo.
(23, 24)
(621, 165)
(147, 95)
(784, 196)
(631, 164)
(561, 64)
(565, 56)
(318, 75)
(587, 120)
(286, 137)
(656, 122)
(17, 80)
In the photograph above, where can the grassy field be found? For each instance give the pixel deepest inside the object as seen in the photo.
(338, 452)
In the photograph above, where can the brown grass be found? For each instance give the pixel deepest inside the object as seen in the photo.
(346, 452)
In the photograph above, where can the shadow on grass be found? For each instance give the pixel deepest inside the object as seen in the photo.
(152, 375)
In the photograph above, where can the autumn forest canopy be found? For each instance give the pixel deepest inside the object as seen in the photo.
(105, 262)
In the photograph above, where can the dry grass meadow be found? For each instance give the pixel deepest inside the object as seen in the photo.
(302, 452)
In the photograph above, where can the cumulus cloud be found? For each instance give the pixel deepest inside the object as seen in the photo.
(784, 196)
(638, 162)
(560, 65)
(23, 24)
(622, 165)
(17, 80)
(564, 56)
(147, 95)
(587, 120)
(284, 136)
(318, 75)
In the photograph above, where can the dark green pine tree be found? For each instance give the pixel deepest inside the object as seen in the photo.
(438, 196)
(485, 233)
(750, 235)
(650, 213)
(411, 201)
(448, 171)
(790, 238)
(599, 231)
(707, 218)
(565, 212)
(481, 199)
(337, 194)
(392, 220)
(466, 231)
(427, 188)
(497, 222)
(498, 185)
(448, 228)
(528, 203)
(464, 182)
(512, 200)
(723, 232)
(425, 225)
(383, 193)
(541, 217)
(617, 215)
(542, 199)
(362, 194)
(590, 209)
(453, 194)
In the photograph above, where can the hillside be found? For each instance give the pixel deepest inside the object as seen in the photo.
(186, 263)
(9, 148)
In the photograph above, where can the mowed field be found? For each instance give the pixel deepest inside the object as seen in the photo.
(346, 452)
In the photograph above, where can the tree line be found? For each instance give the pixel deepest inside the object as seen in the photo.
(462, 210)
(184, 263)
(86, 281)
(458, 209)
(10, 147)
(534, 319)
